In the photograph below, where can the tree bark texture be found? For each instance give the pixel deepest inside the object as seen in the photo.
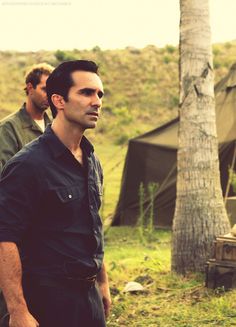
(200, 213)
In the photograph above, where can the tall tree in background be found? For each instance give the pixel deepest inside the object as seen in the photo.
(200, 214)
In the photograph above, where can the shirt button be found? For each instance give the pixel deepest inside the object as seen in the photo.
(91, 206)
(95, 232)
(70, 196)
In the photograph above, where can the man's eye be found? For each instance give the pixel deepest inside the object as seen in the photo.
(87, 92)
(100, 94)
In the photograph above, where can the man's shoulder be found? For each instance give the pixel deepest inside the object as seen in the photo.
(12, 120)
(31, 154)
(24, 167)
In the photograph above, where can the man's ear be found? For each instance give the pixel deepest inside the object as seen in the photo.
(58, 101)
(29, 87)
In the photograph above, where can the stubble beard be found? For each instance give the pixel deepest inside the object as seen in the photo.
(40, 108)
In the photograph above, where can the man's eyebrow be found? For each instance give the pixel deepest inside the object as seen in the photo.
(88, 90)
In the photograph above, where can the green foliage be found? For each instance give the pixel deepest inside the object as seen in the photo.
(166, 59)
(217, 63)
(63, 56)
(170, 48)
(145, 221)
(152, 189)
(232, 179)
(140, 220)
(174, 101)
(216, 50)
(96, 49)
(123, 116)
(122, 139)
(60, 55)
(228, 45)
(141, 85)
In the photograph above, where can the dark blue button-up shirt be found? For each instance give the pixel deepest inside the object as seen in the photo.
(49, 207)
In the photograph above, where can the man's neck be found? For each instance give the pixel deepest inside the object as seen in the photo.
(34, 113)
(70, 136)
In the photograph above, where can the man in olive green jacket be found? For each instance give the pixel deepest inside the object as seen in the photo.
(30, 121)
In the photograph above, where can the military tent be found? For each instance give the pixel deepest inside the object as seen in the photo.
(151, 158)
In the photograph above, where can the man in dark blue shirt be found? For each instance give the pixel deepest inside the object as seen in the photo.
(51, 245)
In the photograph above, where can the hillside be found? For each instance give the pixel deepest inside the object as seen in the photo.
(141, 85)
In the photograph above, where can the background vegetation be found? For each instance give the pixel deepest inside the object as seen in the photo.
(141, 85)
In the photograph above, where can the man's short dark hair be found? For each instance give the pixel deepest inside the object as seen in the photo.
(60, 81)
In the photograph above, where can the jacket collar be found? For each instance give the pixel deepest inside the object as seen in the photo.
(27, 121)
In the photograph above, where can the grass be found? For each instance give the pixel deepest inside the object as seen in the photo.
(168, 299)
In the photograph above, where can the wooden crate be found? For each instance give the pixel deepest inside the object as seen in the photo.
(220, 274)
(225, 249)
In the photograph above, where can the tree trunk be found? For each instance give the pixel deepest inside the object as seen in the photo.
(200, 213)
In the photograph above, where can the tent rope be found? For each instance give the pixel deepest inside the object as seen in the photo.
(114, 155)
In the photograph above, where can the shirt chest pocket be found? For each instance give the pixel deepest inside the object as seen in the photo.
(61, 207)
(68, 194)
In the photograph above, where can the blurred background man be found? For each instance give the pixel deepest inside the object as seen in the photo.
(30, 121)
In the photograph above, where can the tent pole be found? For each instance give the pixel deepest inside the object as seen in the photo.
(229, 181)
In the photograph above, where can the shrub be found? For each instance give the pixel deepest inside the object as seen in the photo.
(63, 56)
(122, 139)
(166, 59)
(170, 48)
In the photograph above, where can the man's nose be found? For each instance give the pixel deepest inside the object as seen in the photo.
(97, 101)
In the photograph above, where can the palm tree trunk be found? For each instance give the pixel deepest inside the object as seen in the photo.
(200, 213)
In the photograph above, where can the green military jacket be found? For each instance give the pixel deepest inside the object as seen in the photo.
(17, 130)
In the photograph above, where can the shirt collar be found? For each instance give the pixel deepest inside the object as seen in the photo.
(27, 121)
(58, 148)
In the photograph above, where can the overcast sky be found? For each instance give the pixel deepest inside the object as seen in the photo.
(29, 25)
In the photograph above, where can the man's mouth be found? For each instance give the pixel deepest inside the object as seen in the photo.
(94, 114)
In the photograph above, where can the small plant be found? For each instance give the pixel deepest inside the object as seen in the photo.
(166, 59)
(232, 179)
(145, 222)
(140, 221)
(152, 189)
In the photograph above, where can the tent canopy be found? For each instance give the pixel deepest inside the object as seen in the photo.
(152, 158)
